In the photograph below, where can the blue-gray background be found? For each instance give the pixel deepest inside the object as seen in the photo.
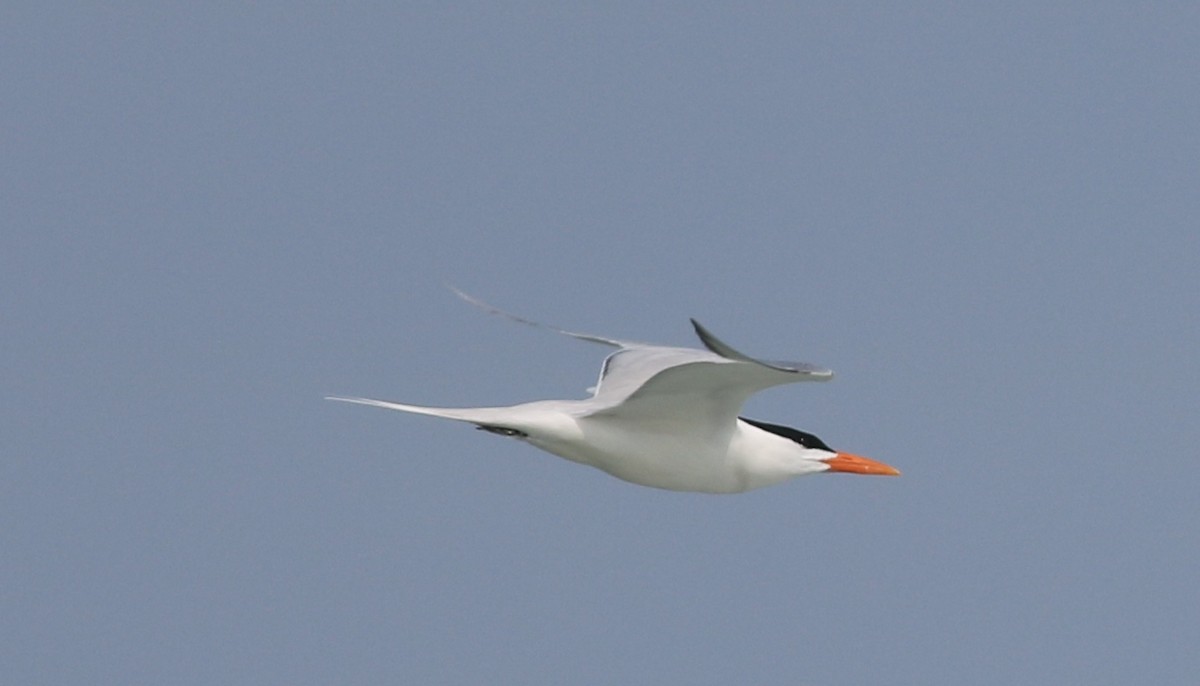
(985, 219)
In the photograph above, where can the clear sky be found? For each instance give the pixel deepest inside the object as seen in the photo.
(984, 217)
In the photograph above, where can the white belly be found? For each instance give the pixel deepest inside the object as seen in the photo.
(652, 456)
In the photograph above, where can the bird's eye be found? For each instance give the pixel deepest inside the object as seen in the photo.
(801, 437)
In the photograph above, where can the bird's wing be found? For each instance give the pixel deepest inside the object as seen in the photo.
(811, 371)
(474, 415)
(591, 338)
(654, 383)
(640, 380)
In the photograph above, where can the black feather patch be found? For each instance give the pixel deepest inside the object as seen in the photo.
(503, 431)
(802, 437)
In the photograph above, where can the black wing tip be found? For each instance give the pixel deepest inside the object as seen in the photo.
(725, 350)
(706, 337)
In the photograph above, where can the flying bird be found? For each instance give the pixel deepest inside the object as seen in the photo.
(667, 418)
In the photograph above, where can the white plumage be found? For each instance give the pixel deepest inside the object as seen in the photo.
(667, 417)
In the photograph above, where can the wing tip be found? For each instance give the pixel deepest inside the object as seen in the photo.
(490, 309)
(710, 341)
(725, 350)
(350, 399)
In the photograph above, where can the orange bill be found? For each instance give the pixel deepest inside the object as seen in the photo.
(854, 464)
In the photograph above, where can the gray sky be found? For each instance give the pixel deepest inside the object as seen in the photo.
(984, 218)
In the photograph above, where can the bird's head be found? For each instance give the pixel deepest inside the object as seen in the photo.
(816, 456)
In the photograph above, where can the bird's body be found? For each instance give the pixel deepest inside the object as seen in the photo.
(668, 418)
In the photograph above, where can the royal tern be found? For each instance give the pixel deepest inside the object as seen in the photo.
(668, 418)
